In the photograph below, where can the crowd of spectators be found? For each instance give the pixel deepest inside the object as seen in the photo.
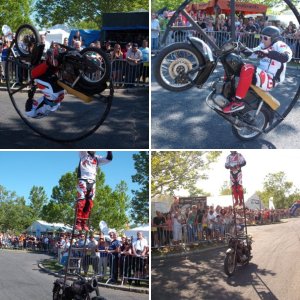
(196, 223)
(125, 258)
(219, 28)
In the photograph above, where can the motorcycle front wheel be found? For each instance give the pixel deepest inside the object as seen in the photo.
(229, 264)
(27, 39)
(260, 121)
(177, 66)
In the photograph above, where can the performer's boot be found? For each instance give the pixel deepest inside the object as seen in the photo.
(79, 213)
(241, 195)
(235, 195)
(86, 214)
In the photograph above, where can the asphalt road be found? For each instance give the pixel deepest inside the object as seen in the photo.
(126, 126)
(272, 274)
(182, 120)
(21, 278)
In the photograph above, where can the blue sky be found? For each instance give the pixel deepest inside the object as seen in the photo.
(20, 170)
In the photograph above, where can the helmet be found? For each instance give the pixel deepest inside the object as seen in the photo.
(273, 32)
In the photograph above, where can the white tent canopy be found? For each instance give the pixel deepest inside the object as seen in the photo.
(133, 231)
(55, 35)
(254, 202)
(41, 227)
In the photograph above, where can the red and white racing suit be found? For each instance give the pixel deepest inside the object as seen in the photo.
(87, 171)
(53, 94)
(270, 71)
(234, 162)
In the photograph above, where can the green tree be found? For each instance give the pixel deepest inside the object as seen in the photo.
(14, 13)
(276, 186)
(109, 205)
(140, 202)
(173, 170)
(38, 199)
(77, 14)
(225, 189)
(15, 215)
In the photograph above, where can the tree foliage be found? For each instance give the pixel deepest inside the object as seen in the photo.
(173, 170)
(78, 14)
(14, 13)
(109, 205)
(15, 215)
(283, 192)
(173, 4)
(140, 202)
(38, 199)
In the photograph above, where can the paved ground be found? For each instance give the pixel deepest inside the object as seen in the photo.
(126, 127)
(273, 273)
(21, 278)
(184, 121)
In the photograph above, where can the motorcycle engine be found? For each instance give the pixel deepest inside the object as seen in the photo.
(218, 97)
(68, 73)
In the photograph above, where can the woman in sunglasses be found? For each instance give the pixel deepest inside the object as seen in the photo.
(274, 54)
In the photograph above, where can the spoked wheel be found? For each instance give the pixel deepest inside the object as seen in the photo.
(74, 120)
(230, 264)
(260, 121)
(27, 39)
(97, 72)
(177, 67)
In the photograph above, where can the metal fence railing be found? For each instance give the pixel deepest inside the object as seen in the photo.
(162, 235)
(251, 40)
(111, 267)
(123, 74)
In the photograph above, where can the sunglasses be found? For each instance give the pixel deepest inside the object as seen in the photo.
(264, 37)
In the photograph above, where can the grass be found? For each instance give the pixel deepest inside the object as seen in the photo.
(52, 265)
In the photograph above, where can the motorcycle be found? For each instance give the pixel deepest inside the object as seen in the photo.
(238, 252)
(86, 71)
(182, 65)
(81, 289)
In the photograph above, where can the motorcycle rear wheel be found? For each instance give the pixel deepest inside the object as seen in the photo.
(229, 264)
(95, 83)
(174, 60)
(260, 121)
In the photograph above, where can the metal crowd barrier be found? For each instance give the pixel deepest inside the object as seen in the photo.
(161, 236)
(128, 75)
(123, 74)
(108, 266)
(251, 40)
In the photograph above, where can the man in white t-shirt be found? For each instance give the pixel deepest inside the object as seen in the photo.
(155, 29)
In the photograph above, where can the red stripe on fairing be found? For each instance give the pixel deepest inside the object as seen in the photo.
(40, 86)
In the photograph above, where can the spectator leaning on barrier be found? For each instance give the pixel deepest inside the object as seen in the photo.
(155, 30)
(134, 57)
(114, 250)
(102, 254)
(145, 59)
(139, 248)
(116, 57)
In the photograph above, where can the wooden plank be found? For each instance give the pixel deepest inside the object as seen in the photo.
(72, 91)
